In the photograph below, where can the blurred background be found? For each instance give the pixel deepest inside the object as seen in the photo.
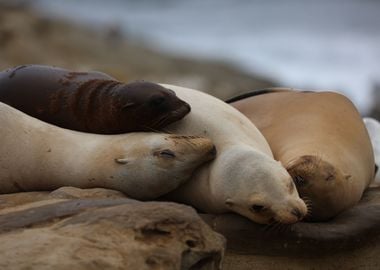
(223, 47)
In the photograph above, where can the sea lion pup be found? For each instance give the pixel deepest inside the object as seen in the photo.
(321, 139)
(244, 178)
(89, 101)
(35, 155)
(373, 127)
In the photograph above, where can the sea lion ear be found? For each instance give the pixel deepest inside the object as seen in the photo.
(229, 202)
(121, 160)
(347, 176)
(128, 105)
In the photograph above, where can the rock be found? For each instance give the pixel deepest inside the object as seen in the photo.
(349, 241)
(101, 229)
(78, 193)
(29, 37)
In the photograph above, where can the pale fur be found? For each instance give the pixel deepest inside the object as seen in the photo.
(35, 155)
(373, 127)
(244, 172)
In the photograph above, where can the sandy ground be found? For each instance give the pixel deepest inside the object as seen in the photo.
(29, 38)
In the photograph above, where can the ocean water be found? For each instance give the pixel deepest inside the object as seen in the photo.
(324, 44)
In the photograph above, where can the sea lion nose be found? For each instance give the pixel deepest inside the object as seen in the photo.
(187, 107)
(212, 151)
(296, 212)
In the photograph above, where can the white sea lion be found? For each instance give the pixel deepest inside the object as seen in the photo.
(373, 127)
(244, 178)
(35, 155)
(321, 139)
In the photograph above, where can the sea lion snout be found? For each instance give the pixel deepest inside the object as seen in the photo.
(320, 183)
(212, 152)
(199, 146)
(293, 213)
(267, 210)
(297, 213)
(186, 108)
(164, 100)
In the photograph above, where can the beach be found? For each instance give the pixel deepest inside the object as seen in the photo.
(314, 45)
(30, 38)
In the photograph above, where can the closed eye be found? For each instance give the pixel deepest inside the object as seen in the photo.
(156, 101)
(257, 208)
(299, 181)
(165, 153)
(128, 105)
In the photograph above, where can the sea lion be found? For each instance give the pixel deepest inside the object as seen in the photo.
(321, 140)
(244, 178)
(89, 101)
(35, 155)
(373, 127)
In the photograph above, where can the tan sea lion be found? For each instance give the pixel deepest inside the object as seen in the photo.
(244, 178)
(89, 101)
(321, 139)
(35, 155)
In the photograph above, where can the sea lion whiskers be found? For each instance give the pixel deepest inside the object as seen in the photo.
(309, 206)
(276, 226)
(157, 123)
(282, 226)
(271, 226)
(151, 129)
(285, 227)
(164, 119)
(161, 121)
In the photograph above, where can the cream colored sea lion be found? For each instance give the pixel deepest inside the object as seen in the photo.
(373, 127)
(321, 140)
(244, 178)
(35, 155)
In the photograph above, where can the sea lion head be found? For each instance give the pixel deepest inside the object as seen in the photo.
(260, 189)
(159, 163)
(317, 180)
(155, 105)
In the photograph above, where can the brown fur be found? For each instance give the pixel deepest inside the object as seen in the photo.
(89, 101)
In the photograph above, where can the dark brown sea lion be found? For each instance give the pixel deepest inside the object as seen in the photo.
(321, 140)
(89, 101)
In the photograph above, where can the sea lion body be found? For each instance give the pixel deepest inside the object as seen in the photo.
(35, 155)
(89, 101)
(244, 178)
(373, 127)
(321, 139)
